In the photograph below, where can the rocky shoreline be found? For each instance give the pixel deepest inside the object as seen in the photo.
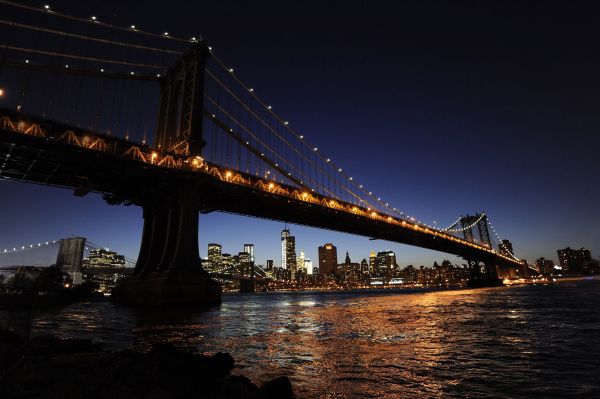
(48, 367)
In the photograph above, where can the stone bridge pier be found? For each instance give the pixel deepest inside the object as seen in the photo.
(169, 270)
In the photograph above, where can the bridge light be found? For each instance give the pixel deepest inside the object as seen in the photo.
(300, 137)
(286, 123)
(166, 34)
(251, 90)
(355, 209)
(373, 213)
(269, 107)
(154, 155)
(101, 69)
(271, 185)
(67, 66)
(328, 160)
(93, 18)
(389, 218)
(46, 7)
(230, 70)
(228, 174)
(27, 61)
(132, 27)
(315, 149)
(1, 92)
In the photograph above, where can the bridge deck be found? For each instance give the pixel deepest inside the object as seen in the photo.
(44, 152)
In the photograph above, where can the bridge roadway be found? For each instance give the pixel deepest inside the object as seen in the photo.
(51, 160)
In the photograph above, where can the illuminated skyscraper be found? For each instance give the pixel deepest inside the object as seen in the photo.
(301, 260)
(249, 249)
(327, 259)
(372, 261)
(288, 251)
(214, 253)
(386, 260)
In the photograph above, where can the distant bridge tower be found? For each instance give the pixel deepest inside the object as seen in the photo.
(180, 112)
(468, 222)
(70, 255)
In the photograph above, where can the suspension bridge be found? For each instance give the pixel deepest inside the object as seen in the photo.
(161, 122)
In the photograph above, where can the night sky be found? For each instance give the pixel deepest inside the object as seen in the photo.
(441, 108)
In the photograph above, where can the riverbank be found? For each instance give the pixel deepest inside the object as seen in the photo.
(49, 367)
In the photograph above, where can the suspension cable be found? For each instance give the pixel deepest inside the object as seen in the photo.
(78, 57)
(86, 37)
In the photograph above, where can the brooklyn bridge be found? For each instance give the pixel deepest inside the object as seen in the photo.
(162, 123)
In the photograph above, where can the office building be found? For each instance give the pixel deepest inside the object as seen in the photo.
(327, 259)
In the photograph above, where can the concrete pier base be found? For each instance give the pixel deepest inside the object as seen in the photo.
(169, 287)
(168, 270)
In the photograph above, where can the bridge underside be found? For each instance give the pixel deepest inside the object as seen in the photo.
(171, 200)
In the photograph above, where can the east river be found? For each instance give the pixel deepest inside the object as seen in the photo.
(510, 342)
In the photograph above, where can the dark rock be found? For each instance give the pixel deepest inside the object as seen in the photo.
(223, 361)
(277, 388)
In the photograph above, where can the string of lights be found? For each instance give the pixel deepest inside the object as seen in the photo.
(93, 19)
(466, 227)
(500, 241)
(28, 247)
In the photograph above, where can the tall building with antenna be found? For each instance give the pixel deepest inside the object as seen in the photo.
(288, 251)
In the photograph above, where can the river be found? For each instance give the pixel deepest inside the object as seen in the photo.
(509, 342)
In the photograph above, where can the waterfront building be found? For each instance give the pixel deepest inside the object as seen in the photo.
(327, 259)
(574, 261)
(104, 268)
(545, 266)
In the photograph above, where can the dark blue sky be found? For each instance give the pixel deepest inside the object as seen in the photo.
(441, 108)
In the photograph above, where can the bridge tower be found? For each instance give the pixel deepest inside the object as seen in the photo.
(484, 274)
(179, 126)
(70, 255)
(168, 269)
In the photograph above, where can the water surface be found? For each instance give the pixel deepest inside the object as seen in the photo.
(519, 342)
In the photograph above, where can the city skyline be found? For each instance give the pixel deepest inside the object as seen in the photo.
(408, 104)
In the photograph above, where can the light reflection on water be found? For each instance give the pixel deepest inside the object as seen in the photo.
(493, 343)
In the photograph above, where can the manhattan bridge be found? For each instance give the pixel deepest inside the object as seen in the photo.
(161, 122)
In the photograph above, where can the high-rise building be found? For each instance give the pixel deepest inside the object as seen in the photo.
(347, 260)
(249, 249)
(327, 259)
(308, 266)
(270, 265)
(288, 251)
(372, 261)
(364, 266)
(214, 253)
(301, 259)
(506, 248)
(386, 260)
(574, 260)
(545, 266)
